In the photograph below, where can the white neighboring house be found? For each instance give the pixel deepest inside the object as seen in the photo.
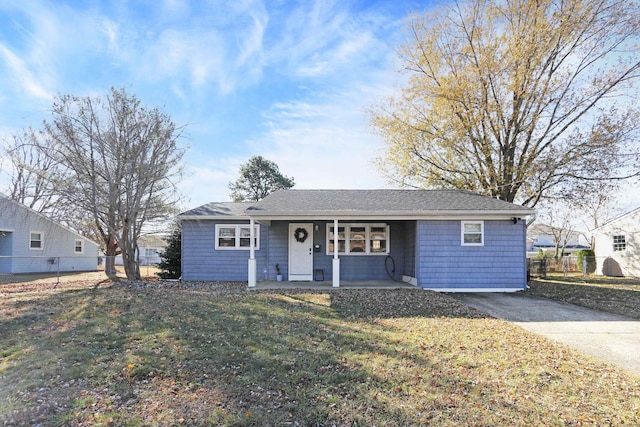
(149, 248)
(542, 236)
(32, 243)
(618, 245)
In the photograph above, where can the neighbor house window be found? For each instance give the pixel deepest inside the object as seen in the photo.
(359, 239)
(35, 240)
(78, 246)
(236, 236)
(472, 233)
(619, 243)
(150, 252)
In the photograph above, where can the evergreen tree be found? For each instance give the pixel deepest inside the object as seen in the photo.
(170, 265)
(259, 177)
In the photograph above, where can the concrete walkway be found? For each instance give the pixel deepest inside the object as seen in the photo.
(611, 338)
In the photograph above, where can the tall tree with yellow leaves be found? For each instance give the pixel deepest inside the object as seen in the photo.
(517, 99)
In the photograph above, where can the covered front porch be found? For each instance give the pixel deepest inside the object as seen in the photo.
(327, 285)
(327, 252)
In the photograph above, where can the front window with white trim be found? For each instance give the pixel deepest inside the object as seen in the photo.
(472, 233)
(36, 240)
(236, 237)
(359, 239)
(78, 246)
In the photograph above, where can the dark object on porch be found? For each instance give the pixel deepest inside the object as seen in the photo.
(318, 272)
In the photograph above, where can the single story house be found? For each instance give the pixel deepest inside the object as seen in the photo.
(446, 240)
(618, 246)
(33, 243)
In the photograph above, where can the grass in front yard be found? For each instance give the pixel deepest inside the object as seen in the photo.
(165, 356)
(618, 295)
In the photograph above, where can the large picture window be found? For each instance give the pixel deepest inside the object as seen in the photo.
(236, 237)
(359, 239)
(619, 243)
(472, 233)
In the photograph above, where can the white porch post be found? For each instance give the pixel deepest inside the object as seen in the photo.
(336, 260)
(252, 253)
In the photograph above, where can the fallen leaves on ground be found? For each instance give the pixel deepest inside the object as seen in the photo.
(202, 353)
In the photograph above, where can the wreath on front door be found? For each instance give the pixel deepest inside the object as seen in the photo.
(301, 234)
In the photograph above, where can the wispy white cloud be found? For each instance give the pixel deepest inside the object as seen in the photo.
(325, 142)
(20, 73)
(111, 31)
(323, 38)
(207, 181)
(286, 80)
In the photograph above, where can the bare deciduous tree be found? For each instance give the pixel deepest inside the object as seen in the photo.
(30, 170)
(559, 224)
(516, 99)
(120, 161)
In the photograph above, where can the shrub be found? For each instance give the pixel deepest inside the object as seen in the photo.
(543, 254)
(589, 257)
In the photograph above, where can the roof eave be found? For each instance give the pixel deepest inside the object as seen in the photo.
(400, 215)
(212, 217)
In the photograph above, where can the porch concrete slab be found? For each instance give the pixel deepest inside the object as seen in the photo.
(327, 285)
(608, 337)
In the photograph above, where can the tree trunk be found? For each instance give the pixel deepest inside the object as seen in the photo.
(110, 262)
(131, 267)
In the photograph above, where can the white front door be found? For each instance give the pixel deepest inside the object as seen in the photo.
(300, 252)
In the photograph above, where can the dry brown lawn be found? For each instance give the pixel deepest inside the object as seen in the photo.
(90, 352)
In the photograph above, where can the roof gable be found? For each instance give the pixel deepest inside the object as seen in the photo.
(220, 210)
(620, 218)
(28, 211)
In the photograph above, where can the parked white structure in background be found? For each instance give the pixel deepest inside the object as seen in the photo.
(149, 248)
(618, 245)
(33, 243)
(543, 236)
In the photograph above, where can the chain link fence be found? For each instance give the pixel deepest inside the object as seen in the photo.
(15, 269)
(572, 265)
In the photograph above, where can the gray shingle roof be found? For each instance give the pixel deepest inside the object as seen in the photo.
(378, 201)
(221, 209)
(361, 202)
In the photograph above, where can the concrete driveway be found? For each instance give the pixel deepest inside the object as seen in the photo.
(614, 339)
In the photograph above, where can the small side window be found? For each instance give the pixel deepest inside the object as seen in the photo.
(472, 233)
(619, 243)
(78, 246)
(35, 240)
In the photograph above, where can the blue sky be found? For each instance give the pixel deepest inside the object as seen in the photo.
(286, 80)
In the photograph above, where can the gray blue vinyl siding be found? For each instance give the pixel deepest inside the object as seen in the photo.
(201, 261)
(442, 262)
(410, 249)
(58, 243)
(277, 252)
(429, 250)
